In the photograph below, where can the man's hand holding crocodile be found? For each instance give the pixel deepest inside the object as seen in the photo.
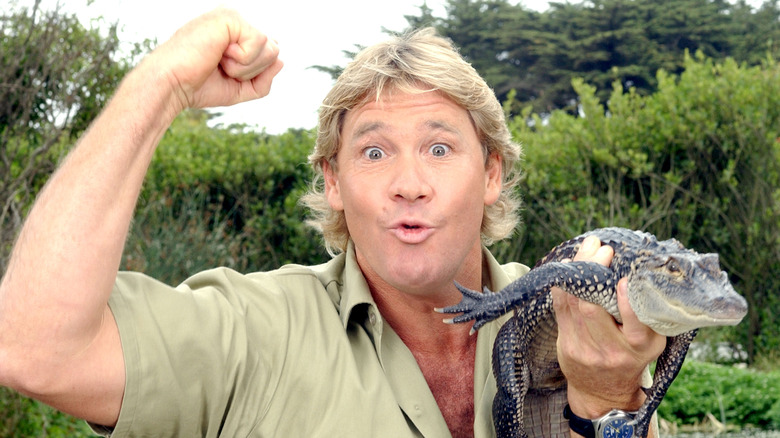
(589, 339)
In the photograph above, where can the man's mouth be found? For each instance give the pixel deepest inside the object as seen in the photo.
(412, 233)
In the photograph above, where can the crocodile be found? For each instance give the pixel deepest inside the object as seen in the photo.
(673, 290)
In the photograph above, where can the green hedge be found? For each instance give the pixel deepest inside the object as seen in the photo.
(21, 417)
(735, 396)
(223, 196)
(698, 160)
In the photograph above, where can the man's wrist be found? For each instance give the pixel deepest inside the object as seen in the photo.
(596, 405)
(616, 424)
(169, 97)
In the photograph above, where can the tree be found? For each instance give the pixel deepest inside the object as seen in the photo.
(537, 54)
(55, 75)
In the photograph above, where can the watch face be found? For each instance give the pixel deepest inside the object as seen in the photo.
(617, 428)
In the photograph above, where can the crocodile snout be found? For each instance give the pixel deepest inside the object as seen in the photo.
(731, 308)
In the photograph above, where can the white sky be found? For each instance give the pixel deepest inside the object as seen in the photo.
(309, 33)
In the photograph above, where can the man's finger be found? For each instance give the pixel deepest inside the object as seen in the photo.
(588, 248)
(637, 334)
(262, 82)
(246, 59)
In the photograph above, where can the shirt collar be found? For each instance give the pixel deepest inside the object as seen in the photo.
(355, 295)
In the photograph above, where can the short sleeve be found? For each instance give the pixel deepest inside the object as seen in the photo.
(189, 359)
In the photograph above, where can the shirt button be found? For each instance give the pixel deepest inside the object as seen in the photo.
(372, 317)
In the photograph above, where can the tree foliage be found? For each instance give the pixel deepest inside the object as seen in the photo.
(537, 54)
(55, 75)
(25, 418)
(698, 160)
(223, 196)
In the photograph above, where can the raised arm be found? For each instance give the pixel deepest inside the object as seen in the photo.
(58, 340)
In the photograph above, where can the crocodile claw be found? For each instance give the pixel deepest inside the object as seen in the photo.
(472, 307)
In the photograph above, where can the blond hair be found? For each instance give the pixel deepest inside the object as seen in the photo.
(413, 63)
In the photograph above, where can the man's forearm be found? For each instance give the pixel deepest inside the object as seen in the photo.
(63, 266)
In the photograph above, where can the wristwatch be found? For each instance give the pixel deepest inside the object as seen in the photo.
(612, 425)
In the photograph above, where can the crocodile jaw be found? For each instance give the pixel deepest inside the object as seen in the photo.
(671, 311)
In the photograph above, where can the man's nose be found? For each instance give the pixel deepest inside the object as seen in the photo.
(411, 180)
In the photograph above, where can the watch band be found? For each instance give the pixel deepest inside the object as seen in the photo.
(580, 425)
(615, 420)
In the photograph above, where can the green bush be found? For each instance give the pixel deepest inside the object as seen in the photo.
(698, 160)
(735, 396)
(223, 196)
(25, 418)
(175, 237)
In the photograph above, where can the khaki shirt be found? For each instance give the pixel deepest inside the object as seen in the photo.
(296, 352)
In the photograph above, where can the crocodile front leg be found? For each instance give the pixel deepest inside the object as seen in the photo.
(574, 277)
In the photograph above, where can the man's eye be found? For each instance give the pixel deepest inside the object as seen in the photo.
(439, 150)
(374, 153)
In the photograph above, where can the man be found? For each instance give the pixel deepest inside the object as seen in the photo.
(414, 180)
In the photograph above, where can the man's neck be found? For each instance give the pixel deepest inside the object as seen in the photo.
(445, 354)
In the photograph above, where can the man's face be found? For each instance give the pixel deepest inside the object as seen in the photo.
(412, 180)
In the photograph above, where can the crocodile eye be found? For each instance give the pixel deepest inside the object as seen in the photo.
(672, 266)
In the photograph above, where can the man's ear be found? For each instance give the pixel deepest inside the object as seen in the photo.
(332, 190)
(493, 178)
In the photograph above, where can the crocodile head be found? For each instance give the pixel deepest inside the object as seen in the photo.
(678, 292)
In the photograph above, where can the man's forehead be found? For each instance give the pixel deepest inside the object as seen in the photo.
(373, 115)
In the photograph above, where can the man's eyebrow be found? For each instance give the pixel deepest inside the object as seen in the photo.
(432, 125)
(441, 125)
(362, 130)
